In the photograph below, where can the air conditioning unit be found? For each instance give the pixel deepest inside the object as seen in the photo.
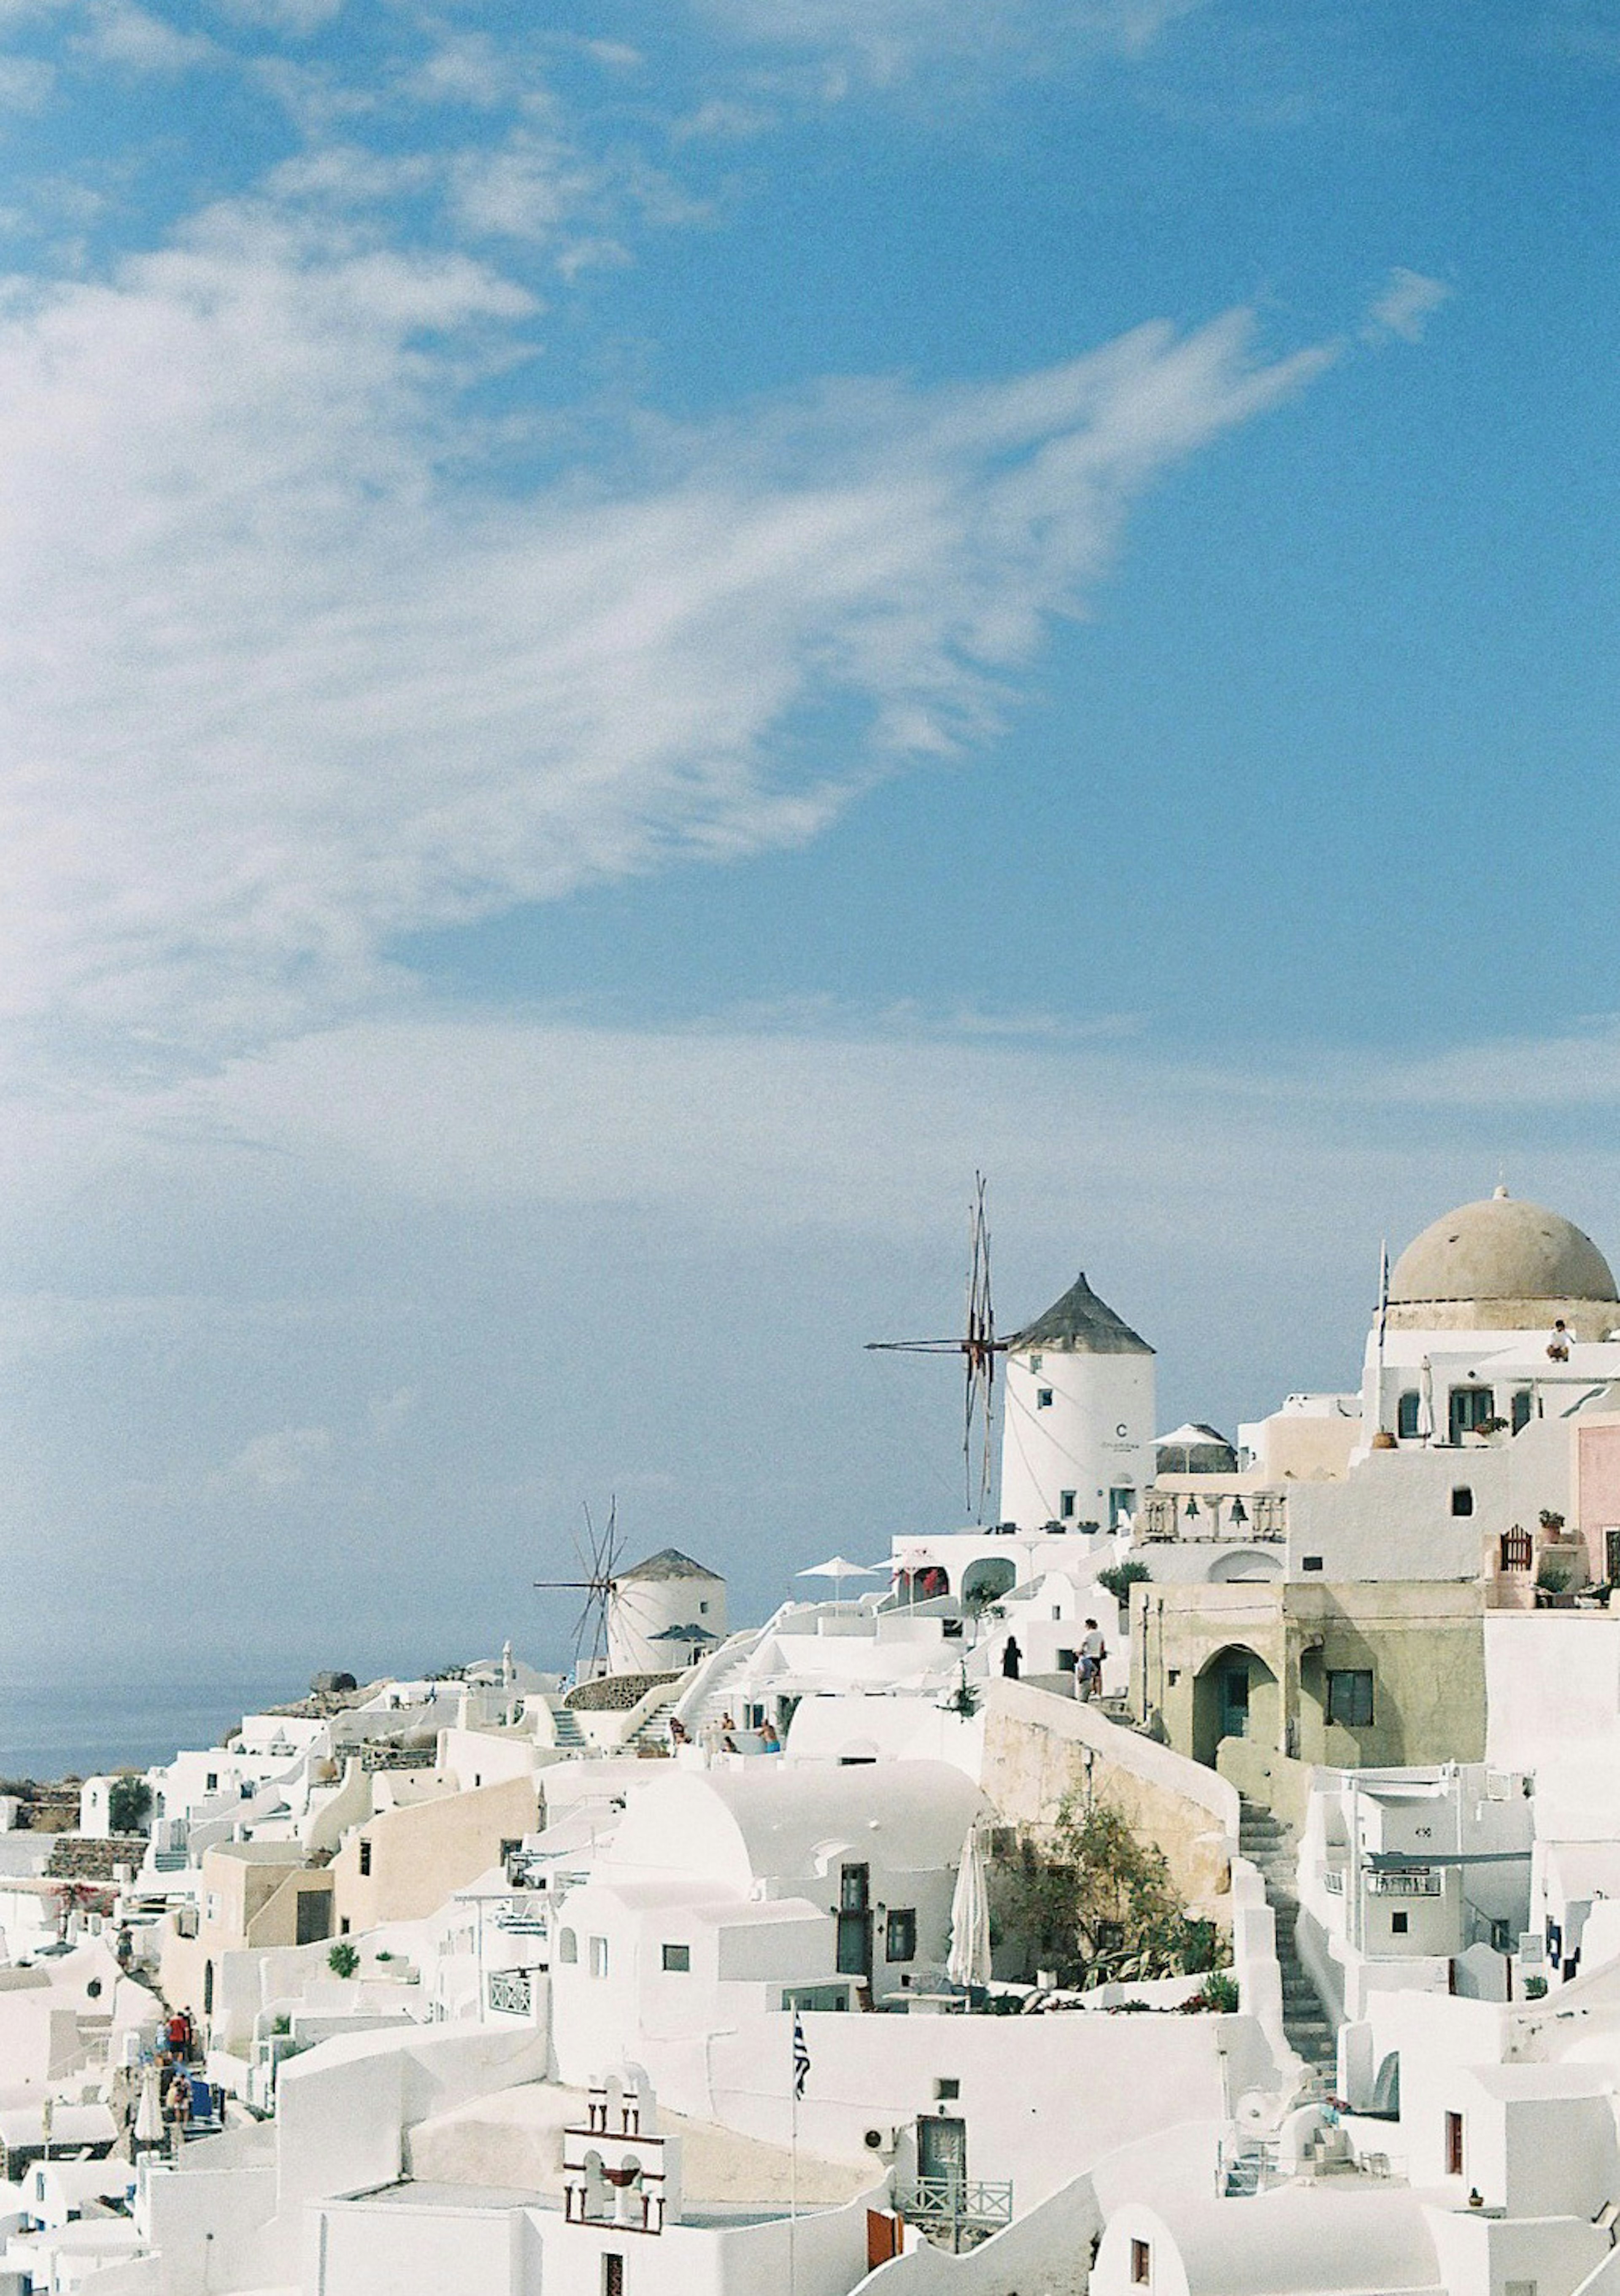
(881, 2140)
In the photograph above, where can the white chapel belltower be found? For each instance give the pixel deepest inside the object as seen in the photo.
(1078, 1421)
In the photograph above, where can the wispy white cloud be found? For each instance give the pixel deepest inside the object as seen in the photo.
(25, 82)
(1407, 301)
(276, 691)
(273, 1463)
(887, 39)
(120, 32)
(298, 19)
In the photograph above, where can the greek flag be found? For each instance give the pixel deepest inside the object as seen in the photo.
(801, 2059)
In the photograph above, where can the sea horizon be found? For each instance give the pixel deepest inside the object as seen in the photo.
(56, 1730)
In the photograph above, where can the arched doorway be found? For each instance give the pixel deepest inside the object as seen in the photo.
(987, 1580)
(1235, 1695)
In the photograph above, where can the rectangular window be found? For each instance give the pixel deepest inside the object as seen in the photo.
(1406, 1414)
(598, 1957)
(613, 2272)
(1065, 1505)
(1035, 1364)
(1398, 1923)
(678, 1959)
(568, 1946)
(365, 1854)
(947, 2091)
(899, 1935)
(1350, 1697)
(854, 1889)
(1141, 2264)
(1043, 1398)
(1310, 1563)
(210, 1784)
(1462, 1499)
(1523, 1404)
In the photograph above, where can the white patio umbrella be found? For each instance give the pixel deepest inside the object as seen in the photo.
(838, 1568)
(968, 1963)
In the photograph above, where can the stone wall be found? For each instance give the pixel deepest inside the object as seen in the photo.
(1040, 1751)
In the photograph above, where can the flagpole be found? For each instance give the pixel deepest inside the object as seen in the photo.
(793, 2165)
(798, 2073)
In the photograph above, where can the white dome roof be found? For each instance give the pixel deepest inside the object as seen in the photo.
(1501, 1248)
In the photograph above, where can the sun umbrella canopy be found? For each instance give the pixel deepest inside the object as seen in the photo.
(839, 1566)
(968, 1963)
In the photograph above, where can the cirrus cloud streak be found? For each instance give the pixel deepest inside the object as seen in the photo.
(290, 671)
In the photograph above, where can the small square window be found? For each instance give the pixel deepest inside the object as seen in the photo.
(678, 1959)
(1043, 1398)
(1350, 1696)
(1036, 1362)
(1400, 1923)
(947, 2092)
(1462, 1499)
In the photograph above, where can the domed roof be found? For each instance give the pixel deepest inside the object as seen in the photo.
(1501, 1248)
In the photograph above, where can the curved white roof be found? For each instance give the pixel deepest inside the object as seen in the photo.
(790, 1821)
(1295, 2241)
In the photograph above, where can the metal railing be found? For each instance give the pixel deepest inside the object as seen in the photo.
(1419, 1881)
(1245, 2166)
(964, 2208)
(512, 1990)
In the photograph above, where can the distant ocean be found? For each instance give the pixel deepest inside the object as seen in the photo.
(84, 1726)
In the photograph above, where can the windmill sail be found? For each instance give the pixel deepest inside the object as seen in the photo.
(978, 1347)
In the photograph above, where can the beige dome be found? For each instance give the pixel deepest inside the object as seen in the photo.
(1515, 1264)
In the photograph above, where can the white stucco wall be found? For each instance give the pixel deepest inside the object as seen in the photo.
(1095, 1435)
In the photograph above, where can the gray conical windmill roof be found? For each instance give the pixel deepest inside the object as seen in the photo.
(1082, 1324)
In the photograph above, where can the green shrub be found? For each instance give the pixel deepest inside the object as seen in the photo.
(129, 1805)
(1535, 1989)
(1219, 1993)
(342, 1961)
(1120, 1577)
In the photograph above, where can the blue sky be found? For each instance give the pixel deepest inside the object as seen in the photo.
(638, 636)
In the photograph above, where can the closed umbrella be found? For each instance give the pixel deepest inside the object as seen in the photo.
(968, 1963)
(149, 2113)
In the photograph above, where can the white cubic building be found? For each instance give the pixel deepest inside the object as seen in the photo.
(1078, 1419)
